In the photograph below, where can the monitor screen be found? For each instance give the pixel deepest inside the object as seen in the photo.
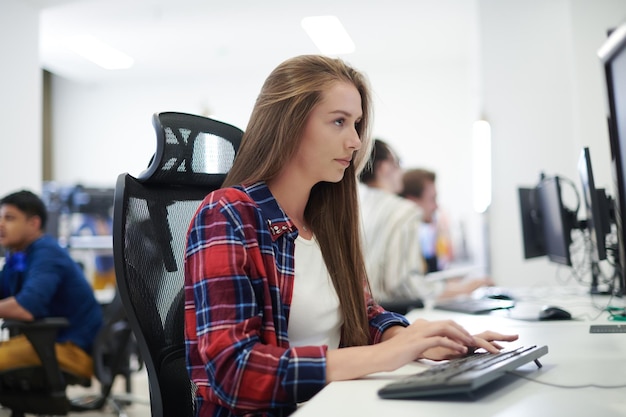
(94, 201)
(613, 57)
(597, 205)
(556, 221)
(532, 228)
(56, 198)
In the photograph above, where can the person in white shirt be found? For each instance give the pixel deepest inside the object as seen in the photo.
(419, 187)
(390, 227)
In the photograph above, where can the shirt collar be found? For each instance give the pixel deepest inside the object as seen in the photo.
(278, 223)
(16, 261)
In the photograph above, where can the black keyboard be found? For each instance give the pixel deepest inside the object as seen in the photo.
(607, 328)
(462, 375)
(474, 306)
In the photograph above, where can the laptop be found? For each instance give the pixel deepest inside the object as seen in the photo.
(470, 305)
(453, 272)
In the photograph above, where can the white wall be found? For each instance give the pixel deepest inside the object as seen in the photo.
(543, 94)
(100, 131)
(20, 93)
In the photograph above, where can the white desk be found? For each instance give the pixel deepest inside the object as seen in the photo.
(575, 358)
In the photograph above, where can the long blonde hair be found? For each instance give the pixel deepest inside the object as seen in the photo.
(272, 138)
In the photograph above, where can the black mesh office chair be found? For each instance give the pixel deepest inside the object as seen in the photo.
(42, 389)
(151, 216)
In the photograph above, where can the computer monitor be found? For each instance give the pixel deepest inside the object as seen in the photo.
(57, 198)
(532, 227)
(613, 57)
(93, 201)
(556, 220)
(597, 205)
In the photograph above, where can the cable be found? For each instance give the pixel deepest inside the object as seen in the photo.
(550, 384)
(573, 185)
(617, 317)
(581, 259)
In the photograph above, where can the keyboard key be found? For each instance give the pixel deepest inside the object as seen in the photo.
(607, 328)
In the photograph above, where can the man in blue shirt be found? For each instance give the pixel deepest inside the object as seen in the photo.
(39, 279)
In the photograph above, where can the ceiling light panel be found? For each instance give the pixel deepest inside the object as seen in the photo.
(99, 53)
(328, 34)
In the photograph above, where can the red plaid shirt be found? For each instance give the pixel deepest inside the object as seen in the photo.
(239, 273)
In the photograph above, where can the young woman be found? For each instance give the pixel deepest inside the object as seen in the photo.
(277, 301)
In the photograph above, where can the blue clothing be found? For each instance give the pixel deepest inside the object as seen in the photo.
(50, 284)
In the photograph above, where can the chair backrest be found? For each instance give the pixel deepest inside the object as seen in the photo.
(151, 216)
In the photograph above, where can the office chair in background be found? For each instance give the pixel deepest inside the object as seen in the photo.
(151, 216)
(41, 389)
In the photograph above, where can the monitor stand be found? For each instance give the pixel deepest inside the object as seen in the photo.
(595, 273)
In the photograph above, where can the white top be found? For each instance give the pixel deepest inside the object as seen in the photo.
(314, 318)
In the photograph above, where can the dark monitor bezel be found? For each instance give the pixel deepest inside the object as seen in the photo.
(555, 219)
(612, 51)
(532, 228)
(597, 210)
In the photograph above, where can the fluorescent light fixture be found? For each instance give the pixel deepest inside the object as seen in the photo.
(99, 52)
(481, 146)
(328, 34)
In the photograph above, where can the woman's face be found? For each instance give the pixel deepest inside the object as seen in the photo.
(330, 138)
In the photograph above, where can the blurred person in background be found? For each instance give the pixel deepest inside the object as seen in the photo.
(38, 280)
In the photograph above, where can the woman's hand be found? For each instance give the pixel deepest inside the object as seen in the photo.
(486, 340)
(404, 345)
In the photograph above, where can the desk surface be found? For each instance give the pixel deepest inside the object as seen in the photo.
(576, 358)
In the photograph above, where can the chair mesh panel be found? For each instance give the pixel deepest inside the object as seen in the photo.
(154, 288)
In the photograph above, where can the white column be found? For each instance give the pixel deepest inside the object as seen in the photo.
(20, 98)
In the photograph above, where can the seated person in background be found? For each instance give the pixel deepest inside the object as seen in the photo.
(39, 280)
(390, 230)
(418, 186)
(276, 297)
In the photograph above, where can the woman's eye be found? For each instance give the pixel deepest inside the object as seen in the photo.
(339, 122)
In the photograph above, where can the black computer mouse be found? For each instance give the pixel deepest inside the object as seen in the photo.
(501, 296)
(554, 313)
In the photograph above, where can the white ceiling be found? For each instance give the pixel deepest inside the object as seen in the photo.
(195, 38)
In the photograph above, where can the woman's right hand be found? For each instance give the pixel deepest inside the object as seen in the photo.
(410, 343)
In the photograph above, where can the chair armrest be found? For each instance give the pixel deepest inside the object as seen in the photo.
(42, 335)
(53, 323)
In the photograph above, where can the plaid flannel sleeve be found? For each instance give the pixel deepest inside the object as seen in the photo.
(379, 318)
